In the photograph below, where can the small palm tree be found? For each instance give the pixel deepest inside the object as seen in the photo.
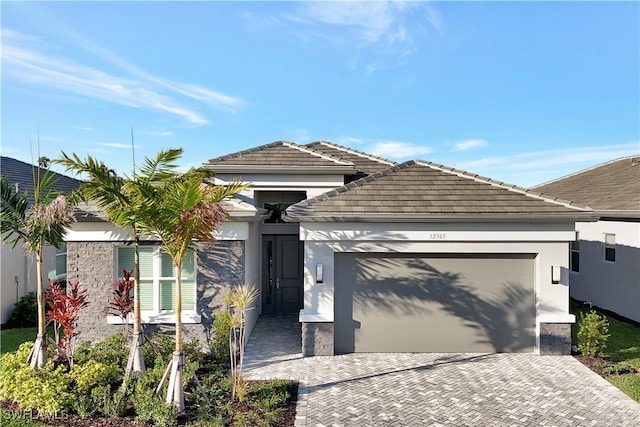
(116, 196)
(180, 209)
(108, 190)
(42, 223)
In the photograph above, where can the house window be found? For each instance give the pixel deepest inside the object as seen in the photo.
(61, 261)
(60, 271)
(575, 254)
(157, 279)
(610, 247)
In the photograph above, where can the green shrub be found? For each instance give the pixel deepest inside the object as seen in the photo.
(220, 343)
(618, 369)
(93, 374)
(150, 408)
(593, 332)
(113, 351)
(109, 403)
(44, 390)
(24, 313)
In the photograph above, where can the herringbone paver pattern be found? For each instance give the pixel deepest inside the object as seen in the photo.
(436, 389)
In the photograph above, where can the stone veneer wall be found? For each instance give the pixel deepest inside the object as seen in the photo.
(317, 339)
(220, 264)
(555, 338)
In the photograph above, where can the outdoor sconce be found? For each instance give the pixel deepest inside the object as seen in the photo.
(319, 273)
(555, 274)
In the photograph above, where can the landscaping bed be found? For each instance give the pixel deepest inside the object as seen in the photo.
(619, 363)
(91, 393)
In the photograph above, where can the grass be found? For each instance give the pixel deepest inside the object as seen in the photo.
(10, 339)
(623, 346)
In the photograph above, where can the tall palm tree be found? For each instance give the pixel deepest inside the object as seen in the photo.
(117, 200)
(180, 210)
(42, 223)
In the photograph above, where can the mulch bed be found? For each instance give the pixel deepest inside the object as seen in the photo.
(597, 364)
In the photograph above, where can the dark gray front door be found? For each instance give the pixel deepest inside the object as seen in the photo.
(282, 280)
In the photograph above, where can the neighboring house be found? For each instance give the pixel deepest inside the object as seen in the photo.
(605, 258)
(372, 255)
(18, 267)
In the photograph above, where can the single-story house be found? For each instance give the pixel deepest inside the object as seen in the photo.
(18, 267)
(373, 256)
(605, 257)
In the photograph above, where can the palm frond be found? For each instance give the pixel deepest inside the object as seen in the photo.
(12, 213)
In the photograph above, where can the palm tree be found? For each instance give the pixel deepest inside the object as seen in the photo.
(117, 201)
(180, 210)
(42, 223)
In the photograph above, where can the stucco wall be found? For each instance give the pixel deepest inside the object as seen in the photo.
(16, 263)
(220, 264)
(548, 242)
(615, 285)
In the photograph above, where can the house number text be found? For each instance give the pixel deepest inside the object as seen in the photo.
(437, 236)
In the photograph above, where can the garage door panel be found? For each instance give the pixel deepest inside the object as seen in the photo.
(438, 303)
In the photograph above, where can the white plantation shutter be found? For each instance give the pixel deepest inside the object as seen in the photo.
(146, 295)
(157, 277)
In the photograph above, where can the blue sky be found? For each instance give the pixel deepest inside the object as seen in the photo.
(520, 92)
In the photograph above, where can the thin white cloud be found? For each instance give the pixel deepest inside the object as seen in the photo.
(469, 144)
(300, 136)
(159, 133)
(138, 90)
(398, 150)
(117, 145)
(533, 168)
(85, 128)
(560, 157)
(348, 140)
(389, 26)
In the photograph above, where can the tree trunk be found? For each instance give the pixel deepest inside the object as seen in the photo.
(135, 363)
(175, 391)
(38, 356)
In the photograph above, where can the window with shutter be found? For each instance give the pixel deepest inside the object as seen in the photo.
(157, 278)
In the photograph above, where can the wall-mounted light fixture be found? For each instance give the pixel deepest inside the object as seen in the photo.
(319, 275)
(555, 274)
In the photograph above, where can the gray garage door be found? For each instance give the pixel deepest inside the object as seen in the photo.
(434, 303)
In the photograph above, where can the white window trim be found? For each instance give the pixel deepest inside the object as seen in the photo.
(572, 250)
(609, 246)
(158, 316)
(150, 318)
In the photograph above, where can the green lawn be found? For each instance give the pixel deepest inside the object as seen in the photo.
(10, 339)
(623, 346)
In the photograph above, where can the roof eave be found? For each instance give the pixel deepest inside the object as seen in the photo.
(413, 218)
(282, 170)
(618, 214)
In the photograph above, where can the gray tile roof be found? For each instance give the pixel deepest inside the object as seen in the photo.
(612, 186)
(420, 191)
(21, 174)
(365, 163)
(280, 157)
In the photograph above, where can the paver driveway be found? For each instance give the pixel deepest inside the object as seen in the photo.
(435, 389)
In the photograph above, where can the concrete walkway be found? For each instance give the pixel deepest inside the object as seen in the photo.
(435, 389)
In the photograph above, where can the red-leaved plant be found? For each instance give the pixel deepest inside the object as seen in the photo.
(122, 303)
(65, 303)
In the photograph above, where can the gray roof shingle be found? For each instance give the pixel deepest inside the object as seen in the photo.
(280, 157)
(21, 174)
(612, 186)
(418, 190)
(365, 163)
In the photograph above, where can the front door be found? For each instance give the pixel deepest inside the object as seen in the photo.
(282, 280)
